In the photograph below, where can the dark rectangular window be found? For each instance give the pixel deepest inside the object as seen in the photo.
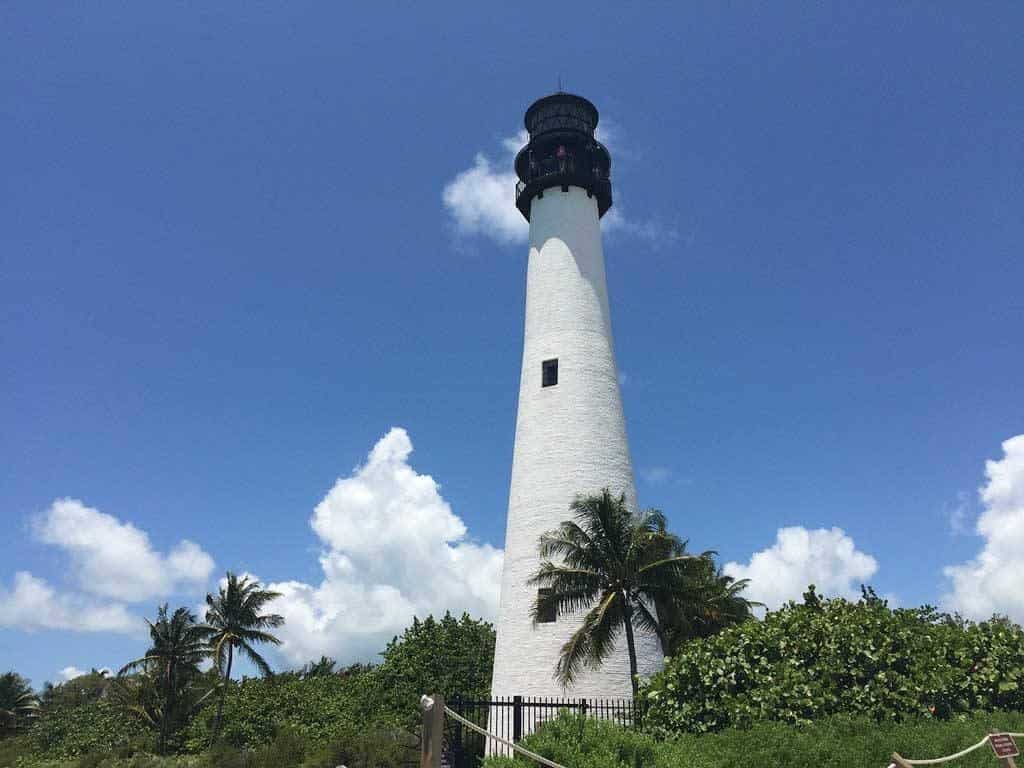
(547, 616)
(549, 373)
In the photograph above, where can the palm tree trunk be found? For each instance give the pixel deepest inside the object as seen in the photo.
(627, 620)
(223, 692)
(167, 707)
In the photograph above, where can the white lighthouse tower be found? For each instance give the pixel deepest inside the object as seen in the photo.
(570, 429)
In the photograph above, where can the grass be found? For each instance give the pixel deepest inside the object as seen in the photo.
(837, 742)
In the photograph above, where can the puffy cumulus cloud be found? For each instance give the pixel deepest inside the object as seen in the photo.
(827, 558)
(991, 582)
(481, 199)
(393, 548)
(32, 604)
(115, 559)
(70, 673)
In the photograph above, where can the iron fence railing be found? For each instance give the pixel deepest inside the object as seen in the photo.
(514, 717)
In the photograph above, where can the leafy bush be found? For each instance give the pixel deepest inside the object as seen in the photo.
(838, 742)
(260, 708)
(450, 656)
(13, 748)
(823, 657)
(360, 716)
(358, 748)
(69, 730)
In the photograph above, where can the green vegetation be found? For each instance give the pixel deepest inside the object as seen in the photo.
(837, 742)
(617, 564)
(171, 687)
(450, 656)
(234, 623)
(823, 682)
(258, 709)
(710, 603)
(824, 657)
(316, 717)
(18, 705)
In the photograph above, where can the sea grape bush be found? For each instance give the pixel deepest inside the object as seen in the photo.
(823, 657)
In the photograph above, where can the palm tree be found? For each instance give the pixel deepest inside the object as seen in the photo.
(616, 565)
(172, 664)
(17, 702)
(235, 622)
(711, 602)
(718, 605)
(323, 668)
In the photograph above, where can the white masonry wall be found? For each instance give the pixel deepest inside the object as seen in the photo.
(570, 439)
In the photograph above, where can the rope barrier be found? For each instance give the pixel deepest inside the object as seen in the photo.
(948, 758)
(527, 753)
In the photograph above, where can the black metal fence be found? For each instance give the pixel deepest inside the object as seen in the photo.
(514, 717)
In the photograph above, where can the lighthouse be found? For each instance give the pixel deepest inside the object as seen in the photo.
(570, 430)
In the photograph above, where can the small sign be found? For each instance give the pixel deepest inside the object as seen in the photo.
(1003, 745)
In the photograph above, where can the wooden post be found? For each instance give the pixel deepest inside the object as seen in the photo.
(432, 737)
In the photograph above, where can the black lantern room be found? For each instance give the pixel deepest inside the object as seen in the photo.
(562, 152)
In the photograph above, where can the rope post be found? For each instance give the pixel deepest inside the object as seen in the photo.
(432, 737)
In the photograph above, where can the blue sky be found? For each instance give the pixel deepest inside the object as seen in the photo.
(238, 245)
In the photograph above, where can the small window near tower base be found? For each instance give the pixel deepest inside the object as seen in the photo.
(549, 373)
(548, 615)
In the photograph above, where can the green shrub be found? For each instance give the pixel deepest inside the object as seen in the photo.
(448, 656)
(13, 748)
(256, 710)
(65, 731)
(806, 662)
(836, 742)
(224, 756)
(286, 750)
(358, 748)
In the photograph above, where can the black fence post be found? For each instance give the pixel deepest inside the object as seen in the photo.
(458, 758)
(517, 719)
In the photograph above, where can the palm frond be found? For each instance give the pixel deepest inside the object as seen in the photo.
(592, 643)
(258, 661)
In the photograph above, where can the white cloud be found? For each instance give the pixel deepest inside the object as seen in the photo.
(33, 604)
(70, 673)
(115, 559)
(991, 582)
(827, 558)
(481, 199)
(392, 548)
